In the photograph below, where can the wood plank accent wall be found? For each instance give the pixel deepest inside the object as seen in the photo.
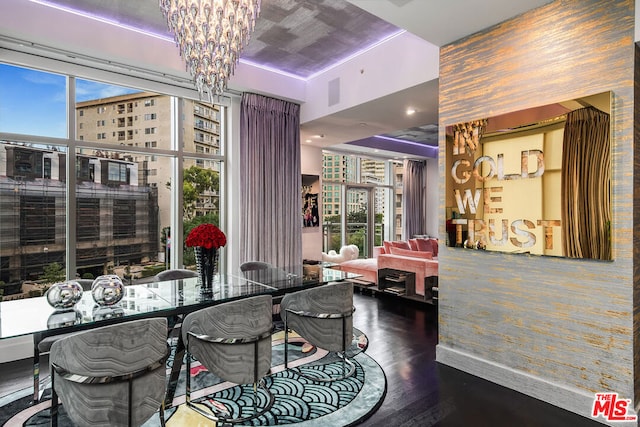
(636, 232)
(557, 329)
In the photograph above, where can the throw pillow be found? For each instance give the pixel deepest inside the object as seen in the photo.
(377, 250)
(425, 245)
(387, 246)
(410, 253)
(401, 244)
(349, 252)
(434, 246)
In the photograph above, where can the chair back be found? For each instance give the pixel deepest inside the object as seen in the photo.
(254, 265)
(85, 283)
(175, 274)
(232, 322)
(325, 332)
(112, 351)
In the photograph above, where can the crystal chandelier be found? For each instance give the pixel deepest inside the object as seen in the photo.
(211, 35)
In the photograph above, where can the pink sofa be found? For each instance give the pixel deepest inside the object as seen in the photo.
(424, 265)
(366, 267)
(423, 268)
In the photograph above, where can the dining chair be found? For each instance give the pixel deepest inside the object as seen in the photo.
(254, 265)
(175, 274)
(249, 266)
(323, 316)
(43, 346)
(85, 283)
(233, 342)
(111, 376)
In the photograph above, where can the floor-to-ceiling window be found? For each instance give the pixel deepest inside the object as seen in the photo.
(88, 174)
(358, 201)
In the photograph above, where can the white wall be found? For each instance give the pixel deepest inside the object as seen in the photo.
(232, 195)
(399, 63)
(311, 164)
(637, 28)
(433, 198)
(16, 348)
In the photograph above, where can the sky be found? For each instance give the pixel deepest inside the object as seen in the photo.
(33, 102)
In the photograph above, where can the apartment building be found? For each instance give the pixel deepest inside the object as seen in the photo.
(143, 119)
(116, 219)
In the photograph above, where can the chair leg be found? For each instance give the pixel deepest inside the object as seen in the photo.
(161, 415)
(222, 417)
(36, 374)
(346, 363)
(348, 369)
(53, 412)
(286, 344)
(175, 372)
(130, 399)
(187, 392)
(255, 398)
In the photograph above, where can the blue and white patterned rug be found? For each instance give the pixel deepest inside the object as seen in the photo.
(298, 401)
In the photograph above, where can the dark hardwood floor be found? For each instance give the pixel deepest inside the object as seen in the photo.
(420, 392)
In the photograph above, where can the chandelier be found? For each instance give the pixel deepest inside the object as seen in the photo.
(211, 35)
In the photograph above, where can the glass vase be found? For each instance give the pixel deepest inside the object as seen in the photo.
(207, 267)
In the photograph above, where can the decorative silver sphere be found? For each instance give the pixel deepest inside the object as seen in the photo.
(64, 295)
(107, 290)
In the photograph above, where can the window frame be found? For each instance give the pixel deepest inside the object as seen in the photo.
(72, 142)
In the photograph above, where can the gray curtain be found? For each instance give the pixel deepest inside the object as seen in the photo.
(271, 181)
(413, 218)
(586, 181)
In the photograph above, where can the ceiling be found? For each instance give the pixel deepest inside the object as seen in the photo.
(304, 37)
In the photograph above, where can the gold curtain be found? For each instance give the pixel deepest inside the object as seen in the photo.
(586, 198)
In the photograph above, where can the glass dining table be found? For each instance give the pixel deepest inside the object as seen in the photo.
(170, 299)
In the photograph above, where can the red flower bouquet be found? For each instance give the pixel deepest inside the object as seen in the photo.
(206, 236)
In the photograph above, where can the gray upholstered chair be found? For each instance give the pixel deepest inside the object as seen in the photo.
(323, 316)
(254, 265)
(233, 341)
(257, 266)
(44, 346)
(85, 283)
(175, 274)
(111, 376)
(175, 322)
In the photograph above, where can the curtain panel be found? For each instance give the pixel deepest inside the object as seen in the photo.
(413, 217)
(271, 181)
(586, 181)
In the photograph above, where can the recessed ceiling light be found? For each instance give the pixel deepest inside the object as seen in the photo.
(308, 141)
(411, 111)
